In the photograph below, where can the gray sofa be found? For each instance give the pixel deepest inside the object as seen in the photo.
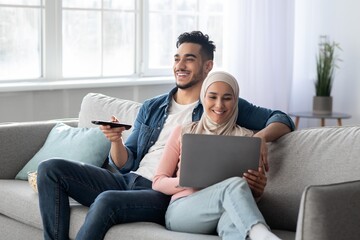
(313, 189)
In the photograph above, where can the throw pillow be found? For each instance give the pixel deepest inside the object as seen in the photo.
(87, 145)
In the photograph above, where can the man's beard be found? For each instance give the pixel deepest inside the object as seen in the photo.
(193, 82)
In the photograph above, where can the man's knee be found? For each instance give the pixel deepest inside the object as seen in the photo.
(105, 200)
(119, 199)
(49, 168)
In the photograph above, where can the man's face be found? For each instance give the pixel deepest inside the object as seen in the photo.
(189, 67)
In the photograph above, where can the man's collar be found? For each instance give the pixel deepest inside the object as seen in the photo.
(170, 97)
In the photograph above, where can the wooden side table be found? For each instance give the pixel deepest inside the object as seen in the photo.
(322, 117)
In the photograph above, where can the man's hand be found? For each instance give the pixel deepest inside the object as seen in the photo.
(118, 151)
(113, 134)
(257, 181)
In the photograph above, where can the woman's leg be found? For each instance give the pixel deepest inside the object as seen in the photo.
(201, 211)
(115, 207)
(60, 179)
(226, 228)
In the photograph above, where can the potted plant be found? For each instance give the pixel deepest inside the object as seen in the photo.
(325, 66)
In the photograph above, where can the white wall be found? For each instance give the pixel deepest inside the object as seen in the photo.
(339, 20)
(55, 104)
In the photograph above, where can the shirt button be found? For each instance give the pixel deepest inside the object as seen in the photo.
(152, 142)
(159, 128)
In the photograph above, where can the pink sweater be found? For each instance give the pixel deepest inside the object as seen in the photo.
(166, 179)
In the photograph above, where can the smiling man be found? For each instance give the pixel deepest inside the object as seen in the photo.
(127, 195)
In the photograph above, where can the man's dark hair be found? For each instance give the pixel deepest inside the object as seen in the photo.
(207, 47)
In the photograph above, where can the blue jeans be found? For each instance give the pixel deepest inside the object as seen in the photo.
(227, 208)
(113, 198)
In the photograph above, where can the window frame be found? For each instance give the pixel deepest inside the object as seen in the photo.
(51, 55)
(52, 47)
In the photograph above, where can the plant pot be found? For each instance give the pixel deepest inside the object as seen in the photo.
(322, 105)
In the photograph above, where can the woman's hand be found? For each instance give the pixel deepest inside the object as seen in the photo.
(263, 153)
(257, 181)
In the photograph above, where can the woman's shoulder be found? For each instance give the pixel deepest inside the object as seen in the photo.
(188, 128)
(241, 131)
(177, 131)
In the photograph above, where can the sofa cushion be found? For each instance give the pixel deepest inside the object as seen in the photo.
(20, 202)
(307, 157)
(88, 145)
(96, 106)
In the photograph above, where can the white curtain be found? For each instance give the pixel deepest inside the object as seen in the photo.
(259, 44)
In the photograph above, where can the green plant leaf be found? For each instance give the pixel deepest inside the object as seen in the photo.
(325, 65)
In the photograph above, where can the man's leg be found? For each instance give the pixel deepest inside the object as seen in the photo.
(115, 207)
(60, 179)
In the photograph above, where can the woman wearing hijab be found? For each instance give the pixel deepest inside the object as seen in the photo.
(228, 207)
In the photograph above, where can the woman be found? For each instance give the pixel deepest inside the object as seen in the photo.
(227, 207)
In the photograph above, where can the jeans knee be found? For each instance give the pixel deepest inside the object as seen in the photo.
(50, 168)
(104, 199)
(236, 182)
(104, 202)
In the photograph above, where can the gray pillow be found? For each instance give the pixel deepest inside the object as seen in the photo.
(87, 145)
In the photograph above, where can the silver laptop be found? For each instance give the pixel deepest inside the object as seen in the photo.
(209, 159)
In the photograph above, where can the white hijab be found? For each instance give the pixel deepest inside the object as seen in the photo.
(205, 125)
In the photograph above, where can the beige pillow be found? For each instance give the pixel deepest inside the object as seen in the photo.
(97, 106)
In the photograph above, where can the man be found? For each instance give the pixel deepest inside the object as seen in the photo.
(127, 196)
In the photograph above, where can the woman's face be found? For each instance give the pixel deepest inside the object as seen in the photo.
(219, 101)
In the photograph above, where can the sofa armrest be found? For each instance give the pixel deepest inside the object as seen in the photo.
(20, 141)
(330, 212)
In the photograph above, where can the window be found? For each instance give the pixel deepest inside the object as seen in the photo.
(84, 39)
(168, 19)
(20, 39)
(98, 38)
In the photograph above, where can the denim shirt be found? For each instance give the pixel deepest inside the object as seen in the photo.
(153, 113)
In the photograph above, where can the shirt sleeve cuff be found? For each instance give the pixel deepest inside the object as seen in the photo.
(283, 118)
(128, 165)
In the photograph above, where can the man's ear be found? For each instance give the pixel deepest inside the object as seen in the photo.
(208, 66)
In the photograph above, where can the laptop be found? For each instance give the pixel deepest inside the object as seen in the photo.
(209, 159)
